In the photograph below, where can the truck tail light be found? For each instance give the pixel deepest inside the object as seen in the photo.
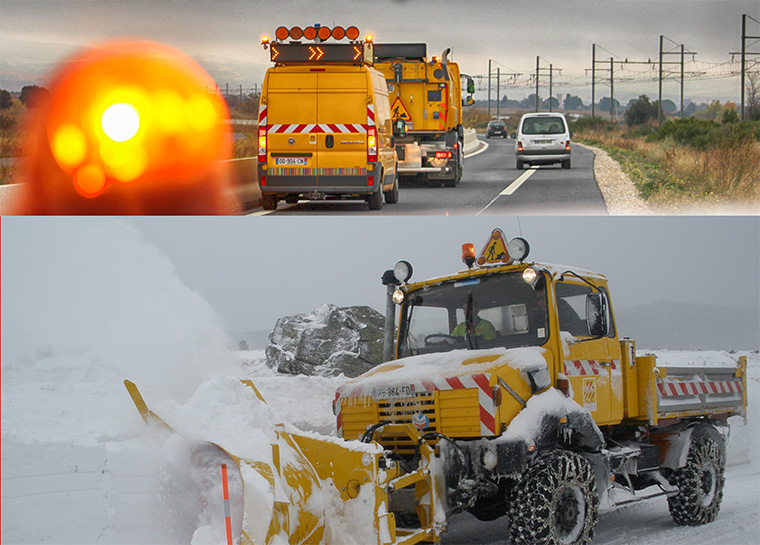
(371, 180)
(262, 145)
(372, 144)
(443, 155)
(519, 146)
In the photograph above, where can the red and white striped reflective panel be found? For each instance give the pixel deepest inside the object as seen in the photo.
(318, 128)
(262, 115)
(479, 382)
(583, 368)
(485, 396)
(670, 388)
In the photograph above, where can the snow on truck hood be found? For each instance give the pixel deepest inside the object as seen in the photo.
(418, 370)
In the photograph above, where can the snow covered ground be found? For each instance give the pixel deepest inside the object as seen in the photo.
(78, 464)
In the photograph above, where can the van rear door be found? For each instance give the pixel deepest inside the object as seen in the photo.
(292, 111)
(342, 114)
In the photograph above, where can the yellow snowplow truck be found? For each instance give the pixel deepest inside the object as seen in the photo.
(426, 98)
(515, 376)
(324, 120)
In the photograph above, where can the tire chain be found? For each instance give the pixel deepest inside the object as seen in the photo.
(531, 501)
(686, 507)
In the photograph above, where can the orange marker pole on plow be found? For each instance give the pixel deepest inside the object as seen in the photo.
(226, 495)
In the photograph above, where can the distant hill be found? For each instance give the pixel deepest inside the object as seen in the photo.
(690, 326)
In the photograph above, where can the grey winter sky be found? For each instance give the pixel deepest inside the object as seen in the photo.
(225, 35)
(255, 270)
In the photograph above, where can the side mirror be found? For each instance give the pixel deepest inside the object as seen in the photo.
(571, 134)
(596, 314)
(470, 86)
(399, 128)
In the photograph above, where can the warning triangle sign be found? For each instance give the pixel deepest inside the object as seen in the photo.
(399, 111)
(495, 251)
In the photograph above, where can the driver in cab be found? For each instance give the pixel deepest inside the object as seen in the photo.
(474, 325)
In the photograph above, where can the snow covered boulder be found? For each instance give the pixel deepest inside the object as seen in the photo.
(327, 342)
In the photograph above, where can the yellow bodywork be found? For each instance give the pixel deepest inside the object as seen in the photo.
(424, 114)
(606, 378)
(321, 490)
(313, 106)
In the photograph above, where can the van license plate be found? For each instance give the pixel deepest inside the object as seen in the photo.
(393, 392)
(290, 161)
(543, 141)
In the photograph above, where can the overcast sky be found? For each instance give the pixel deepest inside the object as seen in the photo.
(34, 35)
(255, 270)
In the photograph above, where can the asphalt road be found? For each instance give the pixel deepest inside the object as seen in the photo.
(491, 185)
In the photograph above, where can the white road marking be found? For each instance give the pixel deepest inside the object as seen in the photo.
(511, 188)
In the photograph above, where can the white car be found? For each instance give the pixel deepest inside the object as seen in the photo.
(543, 138)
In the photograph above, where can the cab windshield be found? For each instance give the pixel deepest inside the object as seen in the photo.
(485, 312)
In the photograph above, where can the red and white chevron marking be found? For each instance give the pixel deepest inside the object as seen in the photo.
(316, 128)
(670, 388)
(479, 382)
(485, 396)
(355, 128)
(587, 368)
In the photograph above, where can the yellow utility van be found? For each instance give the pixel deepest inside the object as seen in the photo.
(325, 126)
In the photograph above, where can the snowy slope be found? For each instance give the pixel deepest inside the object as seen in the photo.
(78, 464)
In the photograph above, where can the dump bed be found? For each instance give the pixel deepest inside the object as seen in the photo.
(672, 392)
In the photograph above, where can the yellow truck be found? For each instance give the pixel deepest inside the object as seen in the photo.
(426, 95)
(510, 393)
(324, 120)
(514, 373)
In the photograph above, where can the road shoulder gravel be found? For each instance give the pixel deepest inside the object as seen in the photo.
(619, 192)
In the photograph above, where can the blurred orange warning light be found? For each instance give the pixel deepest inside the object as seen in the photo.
(130, 127)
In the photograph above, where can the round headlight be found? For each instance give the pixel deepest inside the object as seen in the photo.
(518, 248)
(489, 459)
(402, 271)
(530, 276)
(398, 297)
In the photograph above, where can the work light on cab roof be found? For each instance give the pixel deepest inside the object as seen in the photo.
(315, 32)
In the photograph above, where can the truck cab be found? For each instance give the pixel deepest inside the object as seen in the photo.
(324, 121)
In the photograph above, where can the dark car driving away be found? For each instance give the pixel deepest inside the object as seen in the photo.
(496, 128)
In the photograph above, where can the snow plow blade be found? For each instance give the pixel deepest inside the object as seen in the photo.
(312, 489)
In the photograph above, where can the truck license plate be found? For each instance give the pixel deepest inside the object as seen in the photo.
(393, 392)
(290, 161)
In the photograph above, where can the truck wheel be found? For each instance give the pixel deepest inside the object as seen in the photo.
(375, 200)
(554, 502)
(292, 198)
(700, 481)
(269, 201)
(391, 197)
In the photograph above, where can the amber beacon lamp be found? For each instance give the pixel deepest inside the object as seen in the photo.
(129, 127)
